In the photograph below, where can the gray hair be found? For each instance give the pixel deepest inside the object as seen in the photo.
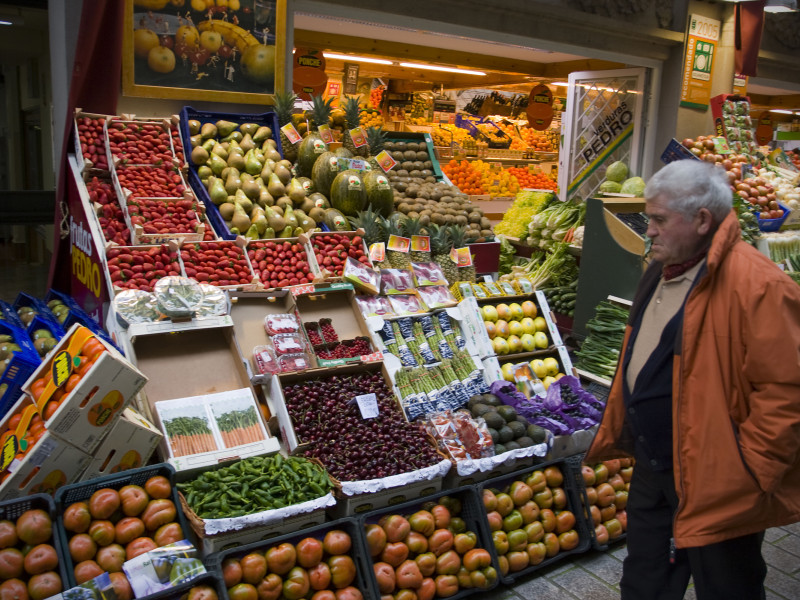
(689, 185)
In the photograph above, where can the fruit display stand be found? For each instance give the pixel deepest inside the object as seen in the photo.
(421, 532)
(330, 556)
(419, 137)
(516, 503)
(28, 519)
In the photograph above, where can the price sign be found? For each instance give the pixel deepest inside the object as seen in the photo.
(399, 244)
(420, 243)
(291, 133)
(357, 135)
(385, 160)
(325, 133)
(368, 405)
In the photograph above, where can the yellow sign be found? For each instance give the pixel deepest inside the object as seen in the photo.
(740, 84)
(701, 45)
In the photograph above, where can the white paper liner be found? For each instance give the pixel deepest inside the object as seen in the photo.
(368, 486)
(267, 517)
(470, 466)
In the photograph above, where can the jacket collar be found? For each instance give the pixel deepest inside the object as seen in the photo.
(726, 236)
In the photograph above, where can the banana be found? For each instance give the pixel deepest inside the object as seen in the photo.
(151, 4)
(232, 34)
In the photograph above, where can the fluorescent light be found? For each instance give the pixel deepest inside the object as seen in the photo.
(781, 111)
(366, 59)
(438, 68)
(780, 6)
(560, 83)
(4, 22)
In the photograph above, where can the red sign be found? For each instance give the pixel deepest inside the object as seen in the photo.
(540, 107)
(764, 129)
(308, 73)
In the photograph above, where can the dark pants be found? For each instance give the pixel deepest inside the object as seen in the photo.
(729, 570)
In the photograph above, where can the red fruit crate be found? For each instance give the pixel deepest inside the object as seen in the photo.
(149, 217)
(139, 267)
(90, 141)
(138, 142)
(323, 247)
(148, 181)
(533, 513)
(471, 514)
(283, 262)
(224, 263)
(269, 540)
(110, 214)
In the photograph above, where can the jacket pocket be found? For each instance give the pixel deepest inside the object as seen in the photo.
(747, 468)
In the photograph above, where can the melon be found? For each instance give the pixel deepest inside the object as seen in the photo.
(308, 151)
(380, 195)
(325, 169)
(348, 194)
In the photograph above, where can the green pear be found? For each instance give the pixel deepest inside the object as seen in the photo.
(233, 182)
(208, 130)
(204, 172)
(266, 171)
(194, 126)
(236, 161)
(269, 234)
(252, 232)
(220, 151)
(295, 191)
(234, 146)
(290, 218)
(287, 232)
(251, 189)
(217, 192)
(242, 200)
(236, 135)
(249, 128)
(262, 134)
(272, 153)
(199, 155)
(216, 164)
(209, 144)
(252, 164)
(259, 218)
(240, 220)
(226, 210)
(284, 174)
(225, 128)
(274, 220)
(247, 142)
(275, 186)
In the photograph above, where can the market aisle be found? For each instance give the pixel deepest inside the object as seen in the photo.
(595, 575)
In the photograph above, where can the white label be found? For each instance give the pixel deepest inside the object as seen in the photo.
(368, 405)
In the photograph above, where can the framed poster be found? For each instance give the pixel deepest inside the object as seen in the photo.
(231, 51)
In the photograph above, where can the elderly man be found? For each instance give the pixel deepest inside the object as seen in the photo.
(706, 397)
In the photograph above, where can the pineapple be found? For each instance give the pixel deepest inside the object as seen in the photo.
(457, 233)
(320, 111)
(413, 226)
(284, 105)
(374, 227)
(352, 116)
(440, 247)
(376, 138)
(398, 260)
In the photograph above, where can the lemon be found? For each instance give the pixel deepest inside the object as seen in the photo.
(143, 41)
(161, 59)
(258, 63)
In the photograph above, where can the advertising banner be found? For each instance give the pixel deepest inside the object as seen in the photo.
(701, 45)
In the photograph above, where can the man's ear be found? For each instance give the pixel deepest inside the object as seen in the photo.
(705, 221)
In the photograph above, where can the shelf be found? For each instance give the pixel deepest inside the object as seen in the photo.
(514, 161)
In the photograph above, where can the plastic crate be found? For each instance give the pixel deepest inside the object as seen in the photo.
(774, 224)
(576, 463)
(11, 510)
(358, 551)
(179, 592)
(7, 313)
(270, 119)
(36, 304)
(472, 514)
(81, 492)
(573, 504)
(22, 365)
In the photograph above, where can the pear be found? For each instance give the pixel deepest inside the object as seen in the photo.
(284, 202)
(235, 136)
(266, 171)
(295, 191)
(242, 200)
(272, 153)
(236, 161)
(208, 130)
(209, 144)
(217, 192)
(297, 231)
(252, 164)
(194, 126)
(226, 210)
(274, 220)
(262, 133)
(287, 232)
(199, 155)
(233, 182)
(269, 234)
(225, 128)
(284, 174)
(221, 151)
(252, 232)
(247, 142)
(290, 218)
(216, 164)
(275, 186)
(240, 220)
(277, 209)
(196, 140)
(259, 218)
(204, 172)
(234, 146)
(306, 222)
(251, 189)
(269, 144)
(249, 128)
(286, 163)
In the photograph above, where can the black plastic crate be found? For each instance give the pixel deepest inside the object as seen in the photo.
(210, 578)
(348, 524)
(11, 510)
(471, 513)
(573, 503)
(576, 462)
(270, 119)
(81, 492)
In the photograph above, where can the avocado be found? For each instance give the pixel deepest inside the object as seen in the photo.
(512, 445)
(537, 434)
(478, 410)
(494, 435)
(499, 449)
(518, 428)
(509, 413)
(493, 419)
(505, 434)
(492, 400)
(524, 441)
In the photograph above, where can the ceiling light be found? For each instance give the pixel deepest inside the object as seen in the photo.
(4, 22)
(438, 68)
(560, 83)
(781, 111)
(780, 6)
(366, 59)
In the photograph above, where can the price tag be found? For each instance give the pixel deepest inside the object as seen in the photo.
(420, 243)
(291, 133)
(357, 135)
(385, 160)
(721, 145)
(399, 244)
(377, 252)
(368, 405)
(325, 133)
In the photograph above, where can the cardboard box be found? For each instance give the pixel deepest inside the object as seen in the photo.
(86, 413)
(189, 360)
(42, 468)
(129, 445)
(473, 329)
(336, 302)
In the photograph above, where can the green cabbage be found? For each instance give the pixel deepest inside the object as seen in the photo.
(634, 185)
(612, 187)
(617, 171)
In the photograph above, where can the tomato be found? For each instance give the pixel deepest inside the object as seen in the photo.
(77, 517)
(45, 585)
(385, 576)
(157, 513)
(11, 563)
(41, 558)
(82, 547)
(158, 487)
(86, 570)
(254, 567)
(343, 570)
(309, 552)
(296, 584)
(231, 572)
(270, 588)
(243, 591)
(8, 534)
(111, 557)
(133, 499)
(121, 585)
(281, 559)
(376, 538)
(337, 542)
(103, 503)
(139, 546)
(168, 534)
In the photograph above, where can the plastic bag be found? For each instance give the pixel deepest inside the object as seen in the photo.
(371, 306)
(437, 296)
(396, 281)
(135, 306)
(408, 304)
(178, 297)
(428, 273)
(287, 343)
(361, 276)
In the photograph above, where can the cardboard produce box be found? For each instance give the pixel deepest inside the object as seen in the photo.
(187, 362)
(81, 399)
(33, 460)
(129, 445)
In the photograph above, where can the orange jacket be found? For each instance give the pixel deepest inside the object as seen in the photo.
(735, 398)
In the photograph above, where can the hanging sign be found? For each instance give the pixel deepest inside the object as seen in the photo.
(740, 84)
(701, 44)
(350, 79)
(764, 128)
(540, 107)
(308, 73)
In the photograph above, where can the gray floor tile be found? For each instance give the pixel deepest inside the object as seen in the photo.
(790, 543)
(773, 596)
(784, 585)
(585, 585)
(793, 528)
(501, 592)
(619, 552)
(773, 534)
(605, 566)
(778, 558)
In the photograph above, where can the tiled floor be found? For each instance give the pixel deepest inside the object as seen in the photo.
(595, 575)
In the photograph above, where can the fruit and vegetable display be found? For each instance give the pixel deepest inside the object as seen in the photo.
(105, 526)
(507, 429)
(140, 268)
(254, 484)
(599, 353)
(91, 140)
(343, 440)
(552, 268)
(223, 263)
(515, 327)
(31, 565)
(109, 212)
(324, 562)
(562, 298)
(433, 549)
(553, 224)
(606, 496)
(140, 142)
(534, 518)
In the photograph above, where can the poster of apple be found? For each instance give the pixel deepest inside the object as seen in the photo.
(219, 50)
